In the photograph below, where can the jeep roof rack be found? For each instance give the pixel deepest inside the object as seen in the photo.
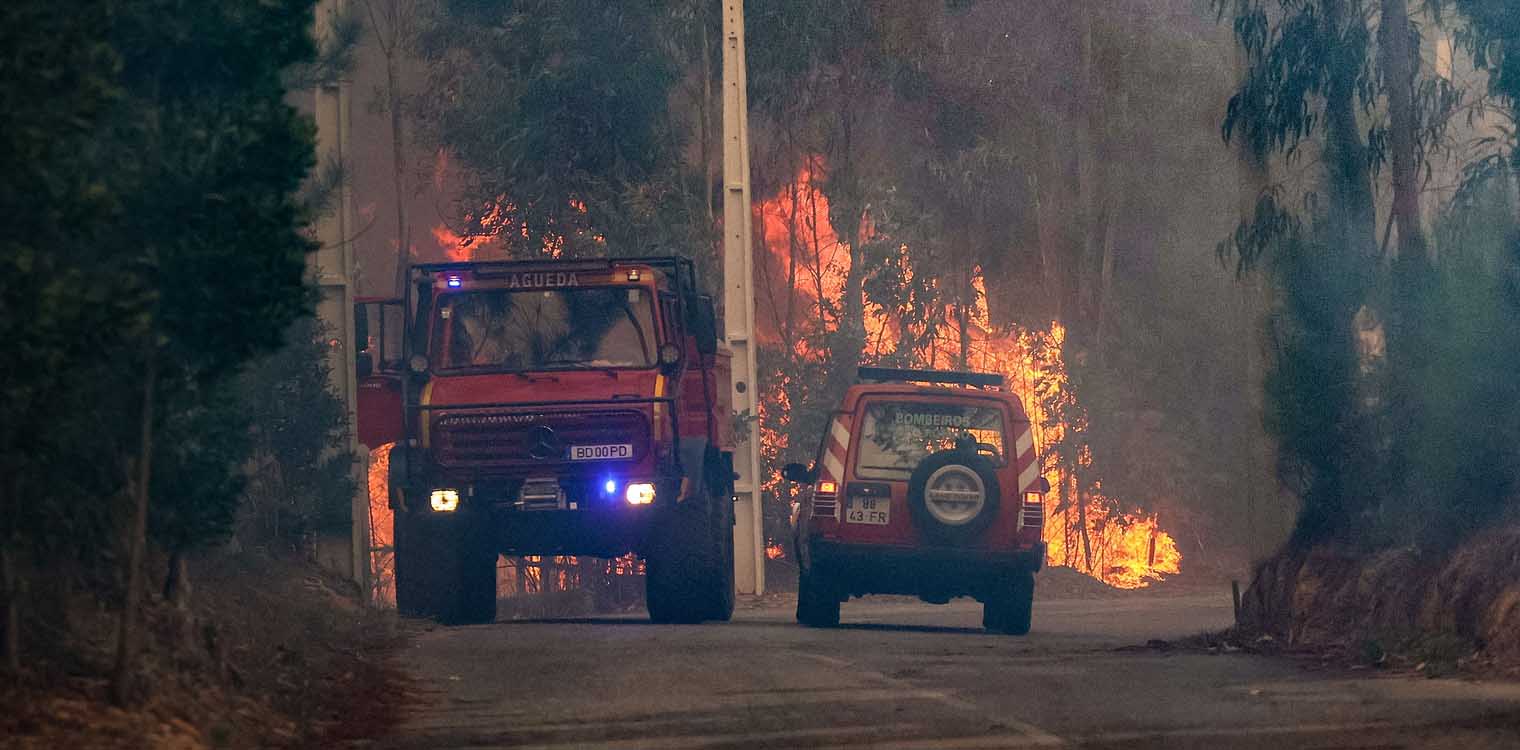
(895, 375)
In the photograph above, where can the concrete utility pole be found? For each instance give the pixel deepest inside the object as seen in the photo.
(333, 266)
(739, 302)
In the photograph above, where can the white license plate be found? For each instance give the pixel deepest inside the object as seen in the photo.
(876, 511)
(600, 452)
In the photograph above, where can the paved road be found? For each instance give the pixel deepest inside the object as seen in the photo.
(905, 676)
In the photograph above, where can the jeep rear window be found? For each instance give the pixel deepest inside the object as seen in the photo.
(560, 329)
(894, 436)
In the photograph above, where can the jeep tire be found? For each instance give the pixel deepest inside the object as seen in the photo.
(1010, 609)
(817, 600)
(444, 568)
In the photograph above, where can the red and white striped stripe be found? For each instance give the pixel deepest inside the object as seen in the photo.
(837, 450)
(1029, 467)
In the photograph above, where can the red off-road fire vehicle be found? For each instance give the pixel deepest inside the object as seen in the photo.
(556, 408)
(926, 484)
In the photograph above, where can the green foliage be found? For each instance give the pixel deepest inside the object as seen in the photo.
(57, 79)
(301, 479)
(198, 470)
(1388, 394)
(1466, 460)
(152, 169)
(1493, 36)
(559, 114)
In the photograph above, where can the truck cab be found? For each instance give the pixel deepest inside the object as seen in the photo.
(562, 408)
(926, 484)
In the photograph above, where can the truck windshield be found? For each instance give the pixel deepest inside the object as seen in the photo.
(896, 435)
(558, 329)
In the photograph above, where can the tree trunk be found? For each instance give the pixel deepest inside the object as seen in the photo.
(127, 635)
(1350, 175)
(704, 131)
(1089, 125)
(1254, 177)
(398, 167)
(1394, 41)
(177, 593)
(963, 317)
(1086, 538)
(1106, 271)
(10, 610)
(177, 582)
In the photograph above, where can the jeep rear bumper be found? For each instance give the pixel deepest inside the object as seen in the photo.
(934, 573)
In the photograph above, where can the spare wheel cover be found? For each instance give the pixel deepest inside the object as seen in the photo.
(955, 495)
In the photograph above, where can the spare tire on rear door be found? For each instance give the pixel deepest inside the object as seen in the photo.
(953, 495)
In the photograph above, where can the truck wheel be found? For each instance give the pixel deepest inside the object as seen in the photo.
(446, 569)
(690, 573)
(1011, 610)
(689, 577)
(817, 602)
(723, 599)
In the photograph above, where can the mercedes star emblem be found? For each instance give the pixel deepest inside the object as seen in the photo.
(542, 444)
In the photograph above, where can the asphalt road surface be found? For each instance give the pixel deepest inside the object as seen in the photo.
(900, 675)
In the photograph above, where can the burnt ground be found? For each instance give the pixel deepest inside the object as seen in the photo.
(900, 674)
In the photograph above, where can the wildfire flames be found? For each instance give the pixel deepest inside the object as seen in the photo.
(1092, 532)
(382, 561)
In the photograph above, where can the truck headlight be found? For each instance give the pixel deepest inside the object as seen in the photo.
(641, 493)
(445, 501)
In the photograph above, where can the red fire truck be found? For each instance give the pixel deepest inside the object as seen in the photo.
(555, 407)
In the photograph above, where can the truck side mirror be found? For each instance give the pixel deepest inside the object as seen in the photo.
(798, 473)
(1043, 485)
(364, 364)
(704, 326)
(361, 326)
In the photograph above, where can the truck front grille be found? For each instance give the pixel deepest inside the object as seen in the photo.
(516, 440)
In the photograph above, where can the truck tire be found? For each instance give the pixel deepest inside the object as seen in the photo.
(724, 596)
(444, 569)
(817, 601)
(1011, 610)
(689, 577)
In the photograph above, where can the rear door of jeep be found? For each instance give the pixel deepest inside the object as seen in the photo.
(894, 432)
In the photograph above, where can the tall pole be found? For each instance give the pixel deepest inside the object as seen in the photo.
(334, 269)
(739, 302)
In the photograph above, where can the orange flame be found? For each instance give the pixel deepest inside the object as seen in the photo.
(382, 558)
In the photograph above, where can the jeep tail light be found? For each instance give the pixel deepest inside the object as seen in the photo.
(826, 500)
(1032, 514)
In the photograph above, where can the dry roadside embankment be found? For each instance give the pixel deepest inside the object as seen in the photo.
(275, 653)
(1436, 611)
